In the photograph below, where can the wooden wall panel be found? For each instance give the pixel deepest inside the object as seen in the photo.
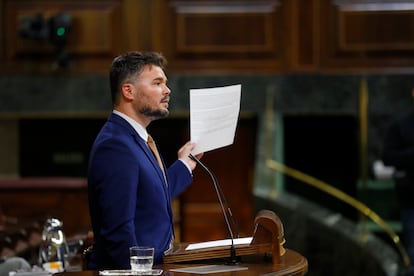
(101, 29)
(229, 36)
(225, 38)
(366, 34)
(92, 32)
(376, 31)
(226, 35)
(94, 27)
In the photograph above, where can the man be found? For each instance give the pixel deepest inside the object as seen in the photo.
(130, 193)
(398, 152)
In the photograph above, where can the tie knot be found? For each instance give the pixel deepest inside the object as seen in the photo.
(151, 144)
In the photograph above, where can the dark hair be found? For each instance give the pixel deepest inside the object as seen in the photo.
(130, 65)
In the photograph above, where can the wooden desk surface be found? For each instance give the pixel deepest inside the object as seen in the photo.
(292, 264)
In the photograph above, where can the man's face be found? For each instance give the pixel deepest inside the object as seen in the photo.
(151, 96)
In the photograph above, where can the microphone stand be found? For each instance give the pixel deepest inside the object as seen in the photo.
(221, 198)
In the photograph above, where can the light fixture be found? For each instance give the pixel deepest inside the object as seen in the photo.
(55, 29)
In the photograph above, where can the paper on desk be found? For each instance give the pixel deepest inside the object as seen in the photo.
(213, 117)
(226, 242)
(207, 269)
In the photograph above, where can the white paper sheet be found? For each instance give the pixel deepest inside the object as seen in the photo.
(213, 117)
(207, 269)
(226, 242)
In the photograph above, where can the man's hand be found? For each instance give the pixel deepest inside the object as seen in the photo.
(184, 154)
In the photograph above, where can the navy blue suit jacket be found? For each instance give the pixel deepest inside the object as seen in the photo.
(129, 201)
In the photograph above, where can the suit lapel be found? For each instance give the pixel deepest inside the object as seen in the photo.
(143, 145)
(155, 164)
(119, 120)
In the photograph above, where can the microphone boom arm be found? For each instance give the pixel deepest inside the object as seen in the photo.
(221, 199)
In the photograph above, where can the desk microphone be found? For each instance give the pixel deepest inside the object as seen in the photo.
(222, 200)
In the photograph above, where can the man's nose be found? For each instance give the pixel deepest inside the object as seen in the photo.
(167, 90)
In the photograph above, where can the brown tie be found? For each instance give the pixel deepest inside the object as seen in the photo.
(153, 148)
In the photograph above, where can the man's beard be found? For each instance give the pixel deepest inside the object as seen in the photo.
(155, 114)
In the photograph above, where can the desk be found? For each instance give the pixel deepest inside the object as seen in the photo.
(292, 264)
(65, 198)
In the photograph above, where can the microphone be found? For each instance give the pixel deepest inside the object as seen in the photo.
(223, 202)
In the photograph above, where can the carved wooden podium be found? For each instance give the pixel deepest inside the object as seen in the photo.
(268, 238)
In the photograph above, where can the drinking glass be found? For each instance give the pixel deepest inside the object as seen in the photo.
(141, 258)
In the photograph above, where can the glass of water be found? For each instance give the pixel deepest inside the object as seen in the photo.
(141, 258)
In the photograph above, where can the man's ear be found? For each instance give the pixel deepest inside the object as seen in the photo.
(127, 91)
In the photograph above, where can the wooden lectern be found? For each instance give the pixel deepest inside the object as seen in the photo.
(268, 238)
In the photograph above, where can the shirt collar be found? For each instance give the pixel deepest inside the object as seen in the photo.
(142, 132)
